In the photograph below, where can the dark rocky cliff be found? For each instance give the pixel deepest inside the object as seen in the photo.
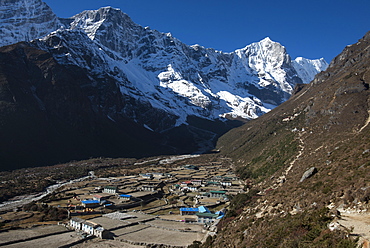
(52, 113)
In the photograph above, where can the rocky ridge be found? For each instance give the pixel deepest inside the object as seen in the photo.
(168, 74)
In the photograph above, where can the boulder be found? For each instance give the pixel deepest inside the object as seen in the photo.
(308, 173)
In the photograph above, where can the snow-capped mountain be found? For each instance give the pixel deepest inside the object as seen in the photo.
(182, 80)
(307, 69)
(153, 78)
(25, 20)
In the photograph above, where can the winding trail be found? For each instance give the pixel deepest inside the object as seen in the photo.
(300, 153)
(366, 123)
(291, 164)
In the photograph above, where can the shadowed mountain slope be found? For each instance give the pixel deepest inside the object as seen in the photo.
(47, 115)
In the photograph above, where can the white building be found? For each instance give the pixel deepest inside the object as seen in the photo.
(226, 183)
(76, 223)
(110, 189)
(88, 227)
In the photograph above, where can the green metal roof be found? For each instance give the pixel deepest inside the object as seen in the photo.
(207, 215)
(217, 192)
(110, 187)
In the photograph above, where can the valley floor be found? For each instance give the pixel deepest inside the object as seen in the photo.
(155, 212)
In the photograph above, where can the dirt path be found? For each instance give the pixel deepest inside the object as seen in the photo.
(366, 123)
(301, 146)
(359, 222)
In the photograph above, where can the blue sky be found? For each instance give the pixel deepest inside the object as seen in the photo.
(311, 29)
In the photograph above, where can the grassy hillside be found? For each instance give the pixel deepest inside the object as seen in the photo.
(324, 125)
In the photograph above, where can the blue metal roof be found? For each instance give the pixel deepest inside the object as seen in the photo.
(125, 196)
(189, 209)
(203, 209)
(90, 201)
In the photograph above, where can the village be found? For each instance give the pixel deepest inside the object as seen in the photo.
(164, 206)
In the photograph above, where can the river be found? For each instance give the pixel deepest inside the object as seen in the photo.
(19, 201)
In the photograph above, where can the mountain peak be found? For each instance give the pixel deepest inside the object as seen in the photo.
(101, 13)
(110, 8)
(141, 55)
(307, 68)
(266, 40)
(106, 18)
(25, 20)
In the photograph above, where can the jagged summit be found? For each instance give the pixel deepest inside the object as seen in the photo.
(254, 77)
(91, 20)
(266, 40)
(148, 54)
(272, 64)
(25, 20)
(245, 83)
